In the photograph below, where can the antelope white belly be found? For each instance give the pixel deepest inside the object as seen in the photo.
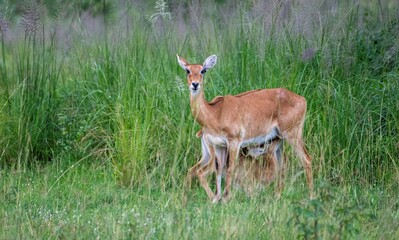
(259, 140)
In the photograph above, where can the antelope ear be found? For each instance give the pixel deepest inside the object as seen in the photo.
(210, 62)
(182, 62)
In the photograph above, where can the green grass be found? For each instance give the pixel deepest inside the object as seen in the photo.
(55, 202)
(96, 133)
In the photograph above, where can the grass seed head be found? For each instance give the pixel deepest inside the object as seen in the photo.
(4, 24)
(31, 17)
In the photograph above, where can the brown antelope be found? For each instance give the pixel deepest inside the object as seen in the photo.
(250, 171)
(254, 118)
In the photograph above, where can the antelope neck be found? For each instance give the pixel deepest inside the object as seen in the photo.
(202, 112)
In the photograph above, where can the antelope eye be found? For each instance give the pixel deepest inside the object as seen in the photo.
(203, 71)
(187, 71)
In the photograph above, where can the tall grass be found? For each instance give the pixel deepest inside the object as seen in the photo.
(31, 99)
(122, 98)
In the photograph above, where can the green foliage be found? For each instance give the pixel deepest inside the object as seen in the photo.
(29, 103)
(55, 201)
(94, 104)
(329, 216)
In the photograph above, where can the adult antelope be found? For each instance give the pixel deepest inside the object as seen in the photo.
(254, 118)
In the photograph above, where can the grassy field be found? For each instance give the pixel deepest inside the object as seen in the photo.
(96, 133)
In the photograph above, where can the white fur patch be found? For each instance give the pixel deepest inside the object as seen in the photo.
(259, 140)
(216, 140)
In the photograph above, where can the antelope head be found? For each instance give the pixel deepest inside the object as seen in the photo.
(195, 72)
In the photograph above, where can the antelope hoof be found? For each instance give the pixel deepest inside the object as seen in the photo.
(216, 199)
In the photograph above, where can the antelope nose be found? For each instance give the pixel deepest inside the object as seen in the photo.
(195, 85)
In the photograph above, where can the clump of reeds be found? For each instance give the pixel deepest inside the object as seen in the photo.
(30, 127)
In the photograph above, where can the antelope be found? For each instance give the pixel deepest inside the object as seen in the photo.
(251, 170)
(254, 118)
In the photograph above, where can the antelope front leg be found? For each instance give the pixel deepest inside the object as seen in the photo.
(233, 158)
(203, 172)
(221, 158)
